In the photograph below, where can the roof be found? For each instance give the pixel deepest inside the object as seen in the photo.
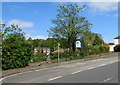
(41, 48)
(118, 37)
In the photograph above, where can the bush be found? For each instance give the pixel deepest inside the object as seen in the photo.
(117, 48)
(39, 57)
(16, 52)
(64, 55)
(84, 53)
(104, 49)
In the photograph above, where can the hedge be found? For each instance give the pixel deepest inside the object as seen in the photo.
(117, 48)
(16, 52)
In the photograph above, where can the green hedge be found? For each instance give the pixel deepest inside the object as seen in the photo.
(39, 57)
(117, 48)
(65, 55)
(16, 52)
(94, 50)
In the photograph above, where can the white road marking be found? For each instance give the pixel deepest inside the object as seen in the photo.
(108, 79)
(102, 64)
(112, 62)
(76, 72)
(54, 78)
(91, 68)
(37, 70)
(14, 75)
(1, 79)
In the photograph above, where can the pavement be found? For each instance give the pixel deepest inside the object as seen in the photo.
(102, 70)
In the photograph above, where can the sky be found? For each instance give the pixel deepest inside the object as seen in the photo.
(35, 17)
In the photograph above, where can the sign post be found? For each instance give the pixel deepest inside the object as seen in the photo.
(78, 44)
(58, 52)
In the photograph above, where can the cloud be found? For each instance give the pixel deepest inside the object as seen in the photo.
(1, 22)
(60, 0)
(36, 37)
(108, 41)
(102, 6)
(39, 37)
(20, 23)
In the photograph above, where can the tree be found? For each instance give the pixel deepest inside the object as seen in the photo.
(11, 29)
(92, 43)
(69, 24)
(92, 39)
(98, 40)
(39, 43)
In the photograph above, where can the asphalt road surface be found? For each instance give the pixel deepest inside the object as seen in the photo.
(103, 70)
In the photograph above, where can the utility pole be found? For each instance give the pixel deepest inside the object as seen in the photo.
(58, 52)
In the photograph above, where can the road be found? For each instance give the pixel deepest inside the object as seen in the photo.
(103, 70)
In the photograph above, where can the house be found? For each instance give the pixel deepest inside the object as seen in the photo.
(116, 42)
(46, 50)
(60, 50)
(41, 50)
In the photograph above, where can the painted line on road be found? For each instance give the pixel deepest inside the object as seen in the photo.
(102, 64)
(112, 62)
(1, 79)
(76, 72)
(8, 77)
(54, 78)
(14, 75)
(37, 70)
(108, 79)
(91, 68)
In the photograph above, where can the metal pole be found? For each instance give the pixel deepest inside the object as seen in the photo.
(58, 53)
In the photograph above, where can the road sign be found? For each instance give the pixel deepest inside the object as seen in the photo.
(78, 44)
(58, 44)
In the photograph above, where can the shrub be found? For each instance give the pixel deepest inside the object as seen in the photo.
(16, 52)
(64, 55)
(39, 57)
(104, 49)
(117, 48)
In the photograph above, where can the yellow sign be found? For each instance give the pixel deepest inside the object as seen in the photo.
(58, 44)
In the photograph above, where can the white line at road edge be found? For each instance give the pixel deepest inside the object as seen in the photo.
(1, 79)
(54, 78)
(108, 79)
